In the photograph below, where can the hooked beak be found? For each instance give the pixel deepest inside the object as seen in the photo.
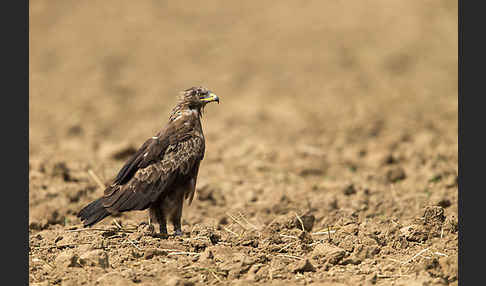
(210, 98)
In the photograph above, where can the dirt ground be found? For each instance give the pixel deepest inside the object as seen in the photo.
(331, 159)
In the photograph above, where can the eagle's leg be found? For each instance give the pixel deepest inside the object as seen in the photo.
(176, 216)
(158, 215)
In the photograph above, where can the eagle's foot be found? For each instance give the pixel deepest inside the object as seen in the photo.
(160, 235)
(177, 232)
(151, 229)
(147, 228)
(162, 231)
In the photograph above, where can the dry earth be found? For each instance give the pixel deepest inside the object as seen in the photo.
(331, 160)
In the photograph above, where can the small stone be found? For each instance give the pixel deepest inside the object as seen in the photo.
(176, 281)
(67, 259)
(96, 257)
(308, 221)
(372, 278)
(349, 190)
(215, 238)
(223, 221)
(444, 203)
(117, 151)
(451, 225)
(329, 253)
(61, 169)
(251, 274)
(434, 215)
(452, 181)
(304, 266)
(395, 175)
(449, 267)
(350, 229)
(75, 130)
(311, 172)
(414, 233)
(36, 225)
(136, 254)
(390, 159)
(114, 279)
(207, 255)
(305, 238)
(150, 253)
(351, 260)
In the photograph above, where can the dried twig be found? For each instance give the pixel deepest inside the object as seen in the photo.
(117, 224)
(86, 229)
(60, 245)
(287, 246)
(247, 222)
(301, 222)
(289, 236)
(96, 179)
(132, 243)
(323, 232)
(184, 252)
(416, 255)
(230, 231)
(215, 276)
(99, 229)
(391, 276)
(289, 256)
(238, 222)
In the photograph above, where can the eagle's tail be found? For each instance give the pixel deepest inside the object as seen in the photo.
(93, 213)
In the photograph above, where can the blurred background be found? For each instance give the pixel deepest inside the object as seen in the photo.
(114, 67)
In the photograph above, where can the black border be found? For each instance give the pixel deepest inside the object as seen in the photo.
(14, 204)
(471, 147)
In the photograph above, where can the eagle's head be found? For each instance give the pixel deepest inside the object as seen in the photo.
(195, 99)
(198, 97)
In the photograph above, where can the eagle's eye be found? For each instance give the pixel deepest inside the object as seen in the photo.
(203, 94)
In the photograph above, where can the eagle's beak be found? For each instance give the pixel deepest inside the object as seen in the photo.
(210, 98)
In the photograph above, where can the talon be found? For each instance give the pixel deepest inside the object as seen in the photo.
(160, 235)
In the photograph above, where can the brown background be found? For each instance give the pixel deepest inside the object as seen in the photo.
(315, 96)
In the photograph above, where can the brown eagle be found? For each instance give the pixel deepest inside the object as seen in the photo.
(163, 172)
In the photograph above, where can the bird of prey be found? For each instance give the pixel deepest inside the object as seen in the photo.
(163, 172)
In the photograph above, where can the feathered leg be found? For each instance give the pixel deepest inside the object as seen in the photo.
(176, 216)
(158, 215)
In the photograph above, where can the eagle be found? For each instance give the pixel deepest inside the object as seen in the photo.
(163, 171)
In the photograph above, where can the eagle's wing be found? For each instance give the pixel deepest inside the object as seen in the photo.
(152, 150)
(155, 167)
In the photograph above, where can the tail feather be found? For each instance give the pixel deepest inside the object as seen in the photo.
(93, 213)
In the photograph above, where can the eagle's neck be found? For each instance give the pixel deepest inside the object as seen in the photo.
(183, 109)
